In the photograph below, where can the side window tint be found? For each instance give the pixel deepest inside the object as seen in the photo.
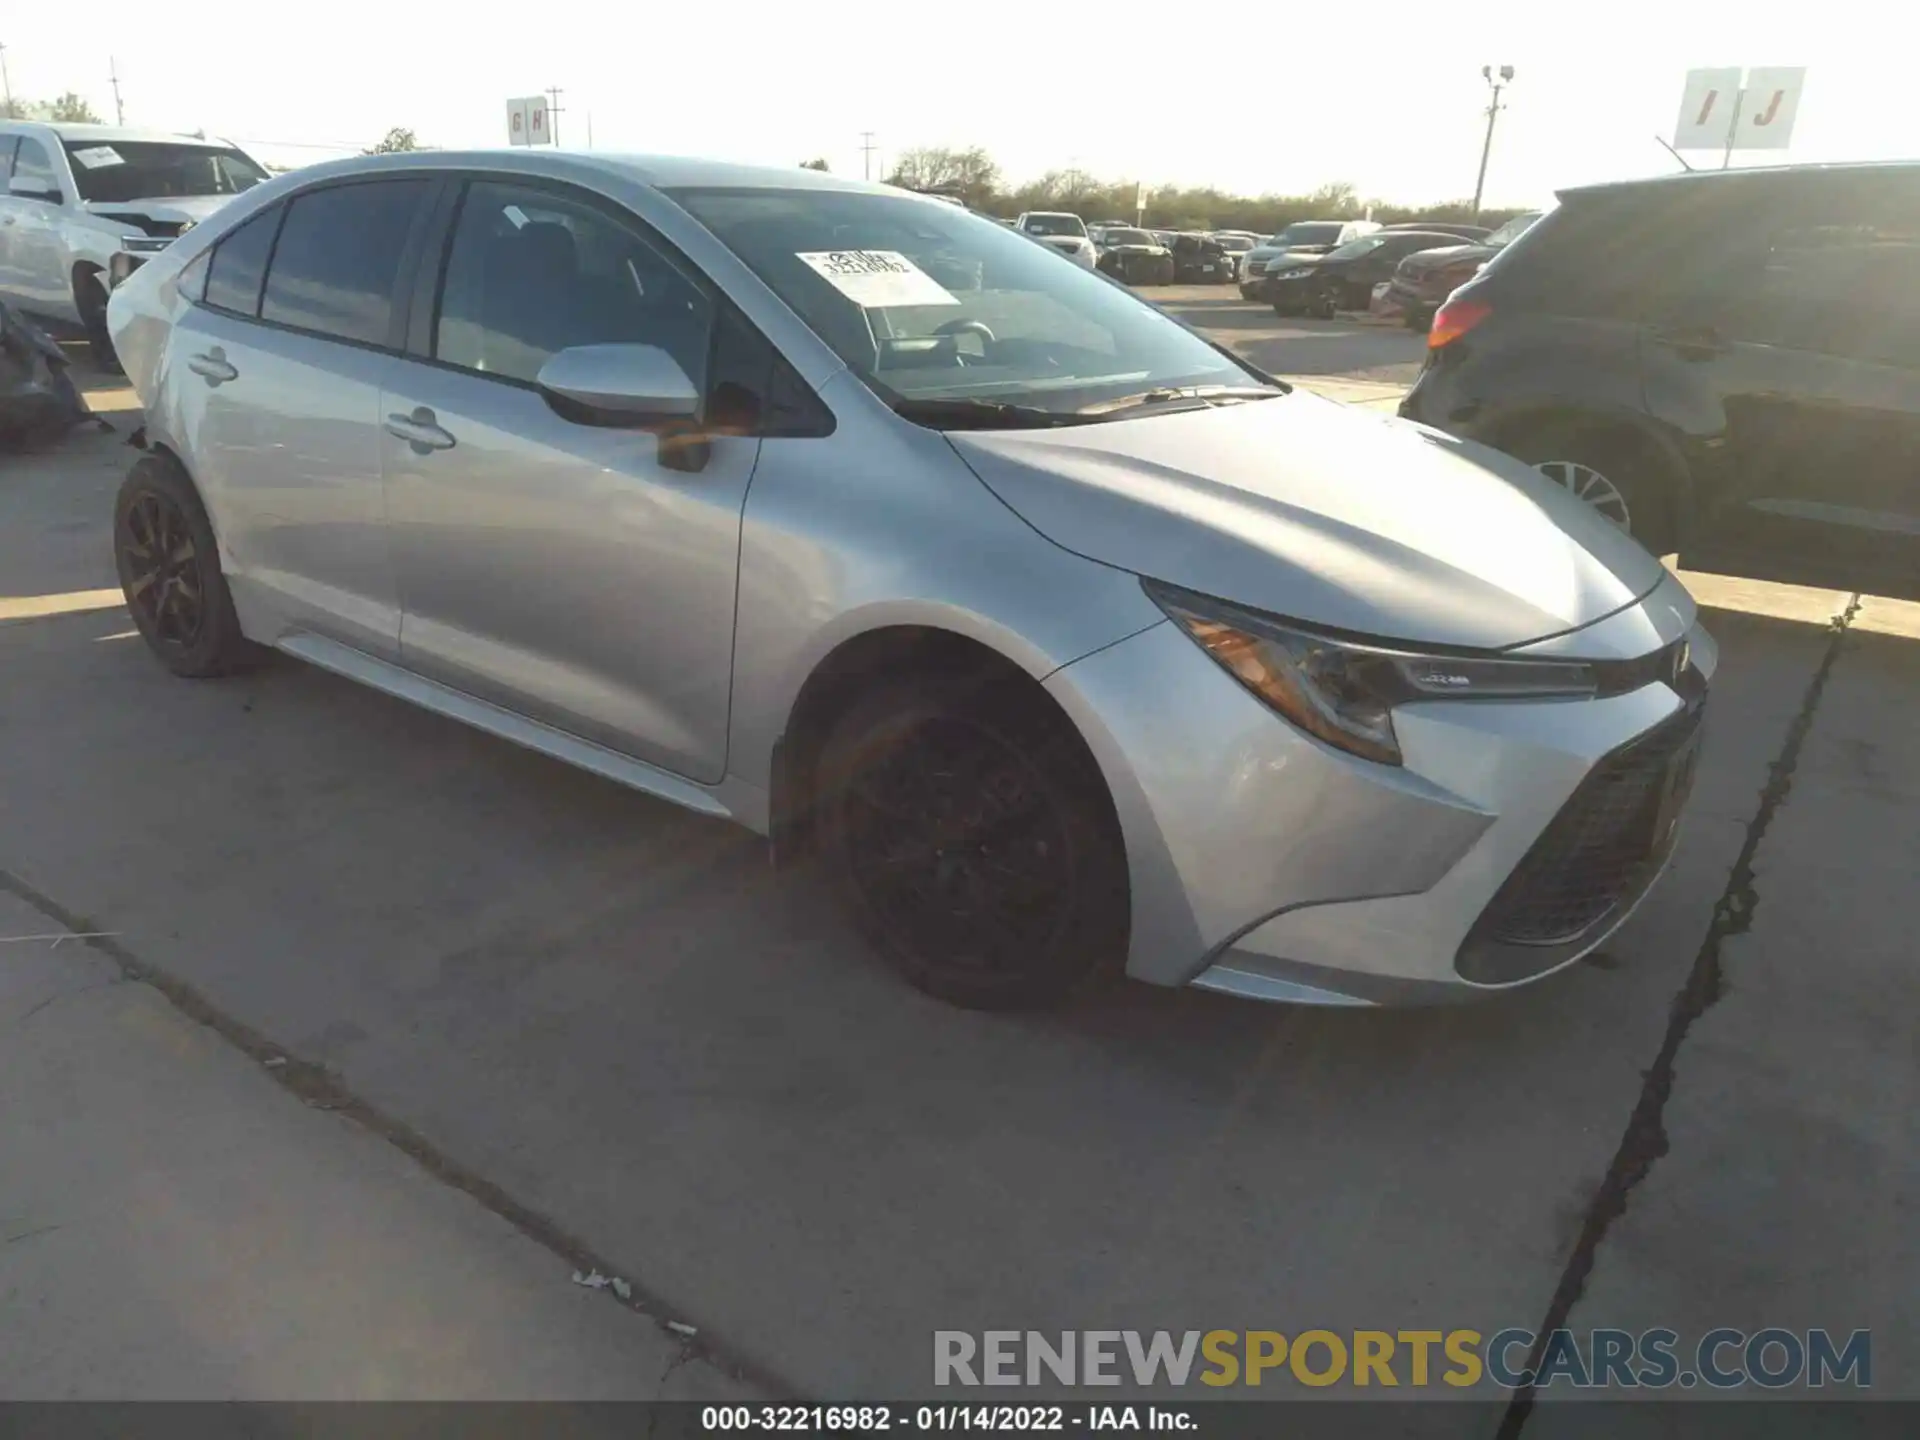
(239, 264)
(32, 167)
(338, 260)
(1841, 276)
(7, 146)
(192, 279)
(531, 272)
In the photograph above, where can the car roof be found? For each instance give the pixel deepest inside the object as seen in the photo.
(1776, 173)
(661, 172)
(112, 134)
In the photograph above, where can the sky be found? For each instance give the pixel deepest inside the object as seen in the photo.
(1397, 108)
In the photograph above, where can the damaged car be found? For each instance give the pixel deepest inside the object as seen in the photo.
(83, 203)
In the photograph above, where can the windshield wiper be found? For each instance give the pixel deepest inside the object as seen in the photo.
(1189, 396)
(971, 414)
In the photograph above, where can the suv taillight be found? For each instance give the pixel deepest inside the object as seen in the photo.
(1456, 318)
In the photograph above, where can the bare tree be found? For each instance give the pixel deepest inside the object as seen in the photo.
(395, 142)
(72, 109)
(971, 173)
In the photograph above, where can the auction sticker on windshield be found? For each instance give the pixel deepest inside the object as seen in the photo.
(876, 279)
(95, 156)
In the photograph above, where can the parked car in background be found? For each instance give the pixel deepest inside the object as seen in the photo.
(1727, 364)
(1343, 279)
(1234, 245)
(1070, 646)
(1135, 257)
(1303, 237)
(1422, 281)
(78, 195)
(1060, 231)
(1199, 260)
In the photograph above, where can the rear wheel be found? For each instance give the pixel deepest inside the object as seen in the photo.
(1615, 472)
(169, 569)
(971, 836)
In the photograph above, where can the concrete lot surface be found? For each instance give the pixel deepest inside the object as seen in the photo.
(607, 1017)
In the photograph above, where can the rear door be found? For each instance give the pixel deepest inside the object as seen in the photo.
(1807, 329)
(558, 568)
(280, 368)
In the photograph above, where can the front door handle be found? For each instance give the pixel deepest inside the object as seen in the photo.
(420, 430)
(213, 367)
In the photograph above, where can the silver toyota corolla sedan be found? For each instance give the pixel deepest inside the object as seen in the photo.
(1065, 641)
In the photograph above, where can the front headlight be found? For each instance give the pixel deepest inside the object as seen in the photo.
(1344, 691)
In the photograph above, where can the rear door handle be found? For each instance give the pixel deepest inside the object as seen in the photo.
(213, 367)
(420, 430)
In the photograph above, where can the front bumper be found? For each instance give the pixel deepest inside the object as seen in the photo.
(1266, 864)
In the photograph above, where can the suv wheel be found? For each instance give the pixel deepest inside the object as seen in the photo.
(92, 303)
(169, 566)
(972, 838)
(1613, 473)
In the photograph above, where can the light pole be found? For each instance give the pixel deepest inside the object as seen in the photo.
(1494, 108)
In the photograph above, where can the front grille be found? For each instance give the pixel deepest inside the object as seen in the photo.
(1596, 855)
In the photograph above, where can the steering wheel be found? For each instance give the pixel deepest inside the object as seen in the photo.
(955, 328)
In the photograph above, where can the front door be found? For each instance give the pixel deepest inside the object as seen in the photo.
(37, 274)
(554, 567)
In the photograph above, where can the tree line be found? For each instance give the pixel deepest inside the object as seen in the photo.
(69, 109)
(973, 176)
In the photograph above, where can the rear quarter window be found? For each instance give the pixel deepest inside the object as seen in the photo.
(238, 265)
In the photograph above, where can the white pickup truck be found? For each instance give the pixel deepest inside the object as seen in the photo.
(73, 197)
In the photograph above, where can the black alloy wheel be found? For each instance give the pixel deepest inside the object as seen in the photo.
(971, 846)
(161, 570)
(169, 567)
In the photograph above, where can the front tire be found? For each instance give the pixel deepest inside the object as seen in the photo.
(971, 837)
(169, 566)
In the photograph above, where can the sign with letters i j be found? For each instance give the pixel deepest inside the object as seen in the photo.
(1728, 109)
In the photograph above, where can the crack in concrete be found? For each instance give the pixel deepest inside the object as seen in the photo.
(1644, 1142)
(322, 1089)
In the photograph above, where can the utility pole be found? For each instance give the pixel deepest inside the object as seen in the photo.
(1733, 125)
(867, 147)
(553, 115)
(5, 83)
(119, 110)
(1494, 107)
(589, 129)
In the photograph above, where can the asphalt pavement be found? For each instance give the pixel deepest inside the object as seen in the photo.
(607, 1023)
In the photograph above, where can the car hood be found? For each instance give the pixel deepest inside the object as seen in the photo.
(176, 209)
(1292, 252)
(1336, 517)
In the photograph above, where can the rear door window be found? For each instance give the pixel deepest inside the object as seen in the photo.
(337, 264)
(32, 167)
(1840, 272)
(239, 264)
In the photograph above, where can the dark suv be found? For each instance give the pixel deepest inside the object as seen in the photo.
(1726, 363)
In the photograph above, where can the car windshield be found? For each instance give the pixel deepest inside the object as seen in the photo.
(1128, 237)
(1308, 232)
(1055, 225)
(924, 302)
(1511, 231)
(124, 170)
(1354, 249)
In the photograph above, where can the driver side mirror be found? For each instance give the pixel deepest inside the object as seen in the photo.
(634, 387)
(27, 190)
